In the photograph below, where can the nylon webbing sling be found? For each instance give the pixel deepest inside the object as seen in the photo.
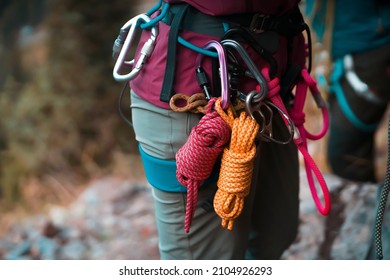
(166, 90)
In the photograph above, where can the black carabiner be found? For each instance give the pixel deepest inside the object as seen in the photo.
(234, 45)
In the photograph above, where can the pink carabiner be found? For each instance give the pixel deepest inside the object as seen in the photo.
(223, 70)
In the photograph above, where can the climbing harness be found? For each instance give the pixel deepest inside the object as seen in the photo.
(264, 51)
(337, 74)
(360, 87)
(382, 203)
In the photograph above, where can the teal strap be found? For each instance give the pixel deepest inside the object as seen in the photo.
(195, 48)
(161, 173)
(155, 8)
(336, 88)
(181, 40)
(155, 20)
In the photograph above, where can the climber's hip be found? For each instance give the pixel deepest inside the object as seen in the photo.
(160, 132)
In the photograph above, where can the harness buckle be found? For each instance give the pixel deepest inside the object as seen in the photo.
(257, 23)
(129, 30)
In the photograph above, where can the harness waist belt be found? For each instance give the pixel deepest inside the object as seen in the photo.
(289, 24)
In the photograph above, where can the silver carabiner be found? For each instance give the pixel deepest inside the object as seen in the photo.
(146, 50)
(265, 132)
(223, 70)
(231, 44)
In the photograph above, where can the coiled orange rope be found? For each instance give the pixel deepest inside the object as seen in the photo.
(237, 167)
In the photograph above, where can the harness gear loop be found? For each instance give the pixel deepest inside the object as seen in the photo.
(301, 143)
(196, 158)
(146, 50)
(237, 167)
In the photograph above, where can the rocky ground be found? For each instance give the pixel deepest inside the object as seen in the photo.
(113, 219)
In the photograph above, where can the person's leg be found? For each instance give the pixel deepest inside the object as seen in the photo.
(206, 239)
(351, 148)
(275, 187)
(161, 133)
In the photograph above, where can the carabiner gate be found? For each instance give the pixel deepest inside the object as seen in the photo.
(223, 70)
(146, 50)
(231, 44)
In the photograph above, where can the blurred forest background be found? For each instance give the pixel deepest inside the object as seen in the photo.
(59, 125)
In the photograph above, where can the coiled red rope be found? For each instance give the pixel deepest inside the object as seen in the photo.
(196, 158)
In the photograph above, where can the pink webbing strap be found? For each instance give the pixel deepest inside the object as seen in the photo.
(298, 117)
(307, 82)
(196, 158)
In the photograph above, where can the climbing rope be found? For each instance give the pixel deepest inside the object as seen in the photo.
(300, 135)
(236, 167)
(195, 103)
(196, 158)
(382, 204)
